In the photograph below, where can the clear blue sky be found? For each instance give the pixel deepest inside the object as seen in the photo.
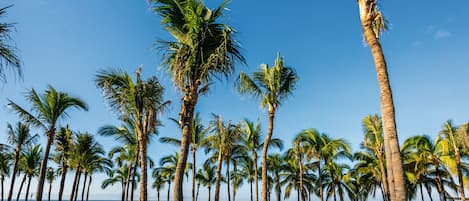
(64, 43)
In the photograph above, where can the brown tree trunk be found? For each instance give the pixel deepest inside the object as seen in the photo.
(197, 194)
(228, 179)
(193, 172)
(217, 183)
(321, 195)
(127, 183)
(143, 168)
(264, 153)
(15, 171)
(77, 187)
(72, 194)
(459, 168)
(279, 188)
(256, 175)
(439, 183)
(301, 181)
(169, 189)
(88, 190)
(62, 180)
(27, 188)
(132, 188)
(84, 186)
(50, 190)
(392, 150)
(42, 171)
(21, 188)
(186, 116)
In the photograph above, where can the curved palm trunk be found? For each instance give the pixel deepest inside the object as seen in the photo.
(50, 190)
(143, 168)
(72, 194)
(62, 180)
(77, 187)
(421, 192)
(169, 189)
(459, 168)
(439, 183)
(264, 153)
(228, 178)
(42, 171)
(392, 150)
(132, 187)
(88, 190)
(27, 188)
(197, 194)
(186, 115)
(193, 172)
(217, 183)
(127, 183)
(15, 171)
(279, 188)
(21, 188)
(84, 186)
(429, 192)
(256, 175)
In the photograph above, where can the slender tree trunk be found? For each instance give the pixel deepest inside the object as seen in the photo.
(383, 194)
(143, 168)
(42, 171)
(321, 194)
(84, 186)
(228, 178)
(169, 189)
(3, 180)
(186, 116)
(193, 171)
(209, 192)
(298, 194)
(264, 153)
(62, 179)
(217, 183)
(251, 190)
(429, 192)
(439, 184)
(27, 188)
(77, 172)
(256, 174)
(335, 197)
(132, 187)
(158, 194)
(77, 187)
(458, 167)
(123, 190)
(50, 190)
(127, 183)
(88, 190)
(197, 194)
(392, 150)
(15, 171)
(301, 180)
(279, 188)
(384, 180)
(21, 188)
(421, 192)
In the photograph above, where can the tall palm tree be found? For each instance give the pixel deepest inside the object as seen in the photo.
(8, 57)
(204, 48)
(168, 168)
(158, 182)
(275, 163)
(63, 150)
(50, 177)
(138, 102)
(95, 162)
(115, 176)
(48, 108)
(271, 85)
(5, 163)
(335, 184)
(373, 24)
(18, 136)
(224, 137)
(249, 172)
(198, 134)
(30, 164)
(367, 174)
(450, 132)
(207, 176)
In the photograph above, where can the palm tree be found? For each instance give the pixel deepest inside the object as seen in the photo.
(198, 135)
(249, 172)
(48, 107)
(168, 168)
(223, 139)
(271, 85)
(5, 163)
(118, 175)
(8, 57)
(50, 177)
(204, 48)
(373, 24)
(374, 141)
(368, 172)
(158, 182)
(450, 132)
(275, 163)
(207, 176)
(95, 163)
(335, 183)
(138, 102)
(63, 151)
(18, 136)
(30, 164)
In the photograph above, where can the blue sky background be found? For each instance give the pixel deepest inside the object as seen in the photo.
(64, 44)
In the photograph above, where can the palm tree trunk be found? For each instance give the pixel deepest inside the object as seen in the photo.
(143, 168)
(169, 189)
(123, 190)
(187, 115)
(251, 190)
(256, 175)
(429, 192)
(301, 181)
(197, 194)
(42, 171)
(158, 194)
(393, 155)
(228, 178)
(264, 153)
(209, 192)
(62, 179)
(421, 192)
(27, 188)
(21, 188)
(298, 194)
(384, 180)
(134, 172)
(15, 170)
(75, 194)
(127, 183)
(279, 188)
(50, 190)
(439, 183)
(321, 193)
(335, 197)
(217, 183)
(84, 186)
(3, 180)
(459, 169)
(88, 190)
(193, 172)
(72, 194)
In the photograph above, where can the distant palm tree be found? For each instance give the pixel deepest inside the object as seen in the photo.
(30, 164)
(207, 176)
(49, 107)
(95, 162)
(50, 177)
(138, 102)
(5, 163)
(8, 57)
(63, 150)
(275, 163)
(368, 174)
(158, 182)
(204, 49)
(373, 24)
(118, 175)
(18, 136)
(168, 168)
(335, 184)
(272, 85)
